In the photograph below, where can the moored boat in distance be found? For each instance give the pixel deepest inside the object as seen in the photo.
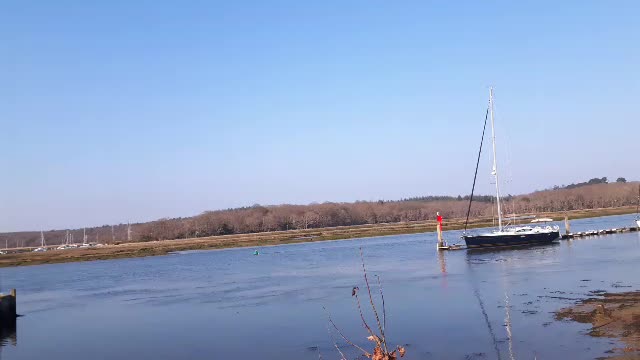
(43, 245)
(509, 235)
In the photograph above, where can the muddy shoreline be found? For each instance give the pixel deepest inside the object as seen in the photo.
(611, 315)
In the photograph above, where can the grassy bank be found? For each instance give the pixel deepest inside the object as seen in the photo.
(264, 239)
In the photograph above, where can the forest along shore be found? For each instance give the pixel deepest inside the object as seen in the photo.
(594, 194)
(612, 315)
(22, 257)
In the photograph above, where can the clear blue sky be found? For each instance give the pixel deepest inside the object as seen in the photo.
(135, 110)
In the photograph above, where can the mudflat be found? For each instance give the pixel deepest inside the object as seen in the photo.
(612, 315)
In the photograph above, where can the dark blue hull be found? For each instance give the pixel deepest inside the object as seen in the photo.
(483, 241)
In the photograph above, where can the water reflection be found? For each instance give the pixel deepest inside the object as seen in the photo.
(504, 249)
(8, 334)
(503, 257)
(443, 262)
(507, 322)
(494, 339)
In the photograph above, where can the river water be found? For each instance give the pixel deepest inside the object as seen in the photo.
(231, 304)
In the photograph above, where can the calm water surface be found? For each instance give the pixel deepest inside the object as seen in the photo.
(232, 304)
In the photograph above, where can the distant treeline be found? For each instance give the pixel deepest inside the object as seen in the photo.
(478, 198)
(595, 193)
(593, 181)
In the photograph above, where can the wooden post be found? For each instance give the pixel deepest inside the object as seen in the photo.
(441, 244)
(567, 227)
(440, 239)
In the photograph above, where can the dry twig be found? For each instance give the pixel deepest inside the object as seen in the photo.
(380, 352)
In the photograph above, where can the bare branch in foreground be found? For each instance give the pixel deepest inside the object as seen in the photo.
(380, 352)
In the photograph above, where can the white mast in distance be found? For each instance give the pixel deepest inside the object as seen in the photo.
(494, 172)
(41, 238)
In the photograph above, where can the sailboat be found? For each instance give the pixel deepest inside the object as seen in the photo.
(84, 239)
(42, 244)
(505, 235)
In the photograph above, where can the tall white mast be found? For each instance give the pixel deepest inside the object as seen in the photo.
(128, 231)
(84, 236)
(41, 238)
(495, 161)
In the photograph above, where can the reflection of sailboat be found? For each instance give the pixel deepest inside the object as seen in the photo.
(494, 340)
(476, 293)
(507, 324)
(474, 258)
(505, 249)
(505, 236)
